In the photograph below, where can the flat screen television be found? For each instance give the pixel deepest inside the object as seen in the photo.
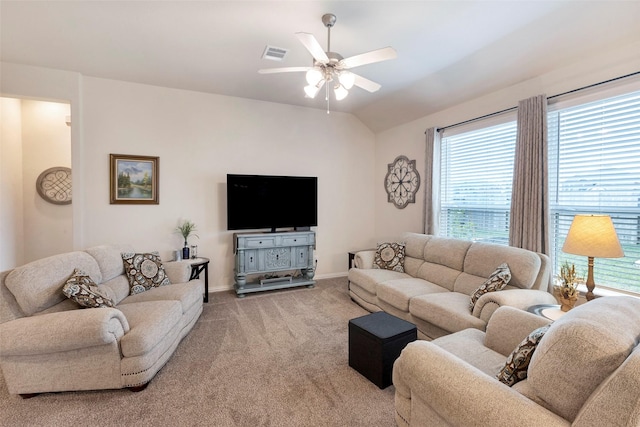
(267, 201)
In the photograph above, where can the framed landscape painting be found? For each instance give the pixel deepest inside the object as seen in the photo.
(134, 180)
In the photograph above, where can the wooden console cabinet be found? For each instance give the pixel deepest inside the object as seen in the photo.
(267, 254)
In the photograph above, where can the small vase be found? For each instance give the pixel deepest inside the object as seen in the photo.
(567, 304)
(185, 252)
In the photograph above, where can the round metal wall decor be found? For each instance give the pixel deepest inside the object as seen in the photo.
(54, 185)
(402, 182)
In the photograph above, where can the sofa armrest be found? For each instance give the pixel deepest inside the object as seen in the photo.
(62, 331)
(364, 259)
(488, 303)
(461, 394)
(509, 326)
(178, 271)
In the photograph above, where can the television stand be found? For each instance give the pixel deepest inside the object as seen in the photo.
(264, 253)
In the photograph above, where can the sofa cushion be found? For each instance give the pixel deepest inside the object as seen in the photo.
(415, 244)
(482, 258)
(187, 294)
(109, 259)
(517, 364)
(398, 292)
(389, 256)
(37, 285)
(439, 274)
(446, 251)
(581, 349)
(81, 289)
(117, 288)
(369, 278)
(144, 271)
(443, 260)
(469, 346)
(149, 322)
(446, 310)
(496, 282)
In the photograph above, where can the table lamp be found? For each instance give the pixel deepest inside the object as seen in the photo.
(592, 236)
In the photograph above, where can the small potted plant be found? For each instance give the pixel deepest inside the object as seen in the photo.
(568, 287)
(186, 229)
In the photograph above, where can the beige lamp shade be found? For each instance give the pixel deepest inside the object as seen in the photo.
(593, 236)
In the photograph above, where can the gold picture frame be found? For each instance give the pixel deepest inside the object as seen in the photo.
(134, 180)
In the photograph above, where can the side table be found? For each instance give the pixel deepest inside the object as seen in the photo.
(198, 265)
(550, 311)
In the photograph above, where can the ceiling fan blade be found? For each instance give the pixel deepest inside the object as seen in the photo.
(283, 70)
(312, 45)
(366, 84)
(378, 55)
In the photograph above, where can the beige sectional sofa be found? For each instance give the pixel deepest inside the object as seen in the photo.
(584, 372)
(49, 343)
(440, 274)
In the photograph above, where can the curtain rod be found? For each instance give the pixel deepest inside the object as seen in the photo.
(550, 97)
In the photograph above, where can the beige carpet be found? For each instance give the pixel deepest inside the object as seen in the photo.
(273, 359)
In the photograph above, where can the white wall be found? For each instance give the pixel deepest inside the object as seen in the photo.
(408, 139)
(11, 210)
(46, 142)
(199, 138)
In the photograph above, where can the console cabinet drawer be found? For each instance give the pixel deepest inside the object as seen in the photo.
(262, 242)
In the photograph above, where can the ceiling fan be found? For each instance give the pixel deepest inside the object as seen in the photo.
(330, 68)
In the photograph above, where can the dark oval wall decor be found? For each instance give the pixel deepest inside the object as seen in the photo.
(54, 185)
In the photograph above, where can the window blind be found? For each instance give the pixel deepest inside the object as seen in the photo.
(476, 180)
(594, 167)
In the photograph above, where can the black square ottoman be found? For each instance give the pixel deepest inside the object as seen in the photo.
(375, 342)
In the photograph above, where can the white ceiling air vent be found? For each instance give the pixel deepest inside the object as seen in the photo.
(274, 53)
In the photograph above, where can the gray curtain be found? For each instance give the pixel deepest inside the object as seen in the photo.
(431, 207)
(529, 221)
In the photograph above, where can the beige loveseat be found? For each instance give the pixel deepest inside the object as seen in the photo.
(440, 274)
(49, 343)
(585, 372)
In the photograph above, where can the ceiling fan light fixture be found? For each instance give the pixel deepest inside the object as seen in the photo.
(347, 79)
(314, 76)
(312, 90)
(340, 92)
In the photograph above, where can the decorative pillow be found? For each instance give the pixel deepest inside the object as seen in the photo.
(144, 271)
(496, 282)
(389, 256)
(80, 288)
(515, 369)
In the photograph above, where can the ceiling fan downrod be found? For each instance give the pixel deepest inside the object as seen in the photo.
(329, 20)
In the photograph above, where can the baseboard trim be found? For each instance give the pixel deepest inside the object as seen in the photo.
(223, 288)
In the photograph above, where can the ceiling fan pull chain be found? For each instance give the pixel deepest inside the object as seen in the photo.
(326, 95)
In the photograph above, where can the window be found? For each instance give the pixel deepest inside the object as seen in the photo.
(594, 167)
(476, 180)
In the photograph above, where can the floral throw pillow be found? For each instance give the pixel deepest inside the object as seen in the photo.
(144, 271)
(389, 256)
(496, 282)
(83, 290)
(515, 369)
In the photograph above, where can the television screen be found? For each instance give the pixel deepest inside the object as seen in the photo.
(266, 201)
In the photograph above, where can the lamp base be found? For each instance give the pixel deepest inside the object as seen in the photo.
(591, 285)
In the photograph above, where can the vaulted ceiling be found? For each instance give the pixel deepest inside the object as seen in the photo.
(448, 51)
